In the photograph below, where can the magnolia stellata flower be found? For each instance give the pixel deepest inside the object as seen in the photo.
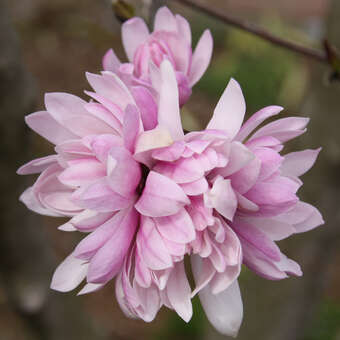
(148, 195)
(171, 40)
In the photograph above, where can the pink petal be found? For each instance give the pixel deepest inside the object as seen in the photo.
(168, 106)
(46, 126)
(243, 180)
(37, 165)
(99, 196)
(275, 230)
(89, 220)
(30, 200)
(229, 112)
(258, 262)
(115, 109)
(165, 20)
(72, 150)
(124, 177)
(142, 272)
(273, 195)
(111, 61)
(177, 228)
(270, 162)
(222, 198)
(109, 259)
(69, 111)
(82, 172)
(297, 163)
(246, 205)
(110, 86)
(201, 57)
(195, 188)
(151, 247)
(69, 274)
(102, 144)
(303, 217)
(169, 196)
(184, 170)
(256, 119)
(88, 247)
(170, 153)
(102, 113)
(134, 33)
(283, 129)
(175, 249)
(131, 127)
(239, 157)
(257, 238)
(60, 201)
(183, 27)
(146, 105)
(179, 292)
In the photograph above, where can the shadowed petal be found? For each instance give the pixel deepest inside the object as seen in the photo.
(179, 292)
(169, 196)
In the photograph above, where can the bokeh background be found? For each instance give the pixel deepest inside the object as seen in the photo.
(47, 46)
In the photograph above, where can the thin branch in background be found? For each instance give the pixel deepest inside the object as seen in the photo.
(318, 55)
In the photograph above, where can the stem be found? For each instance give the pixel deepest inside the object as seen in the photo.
(315, 54)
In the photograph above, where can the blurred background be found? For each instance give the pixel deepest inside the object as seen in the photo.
(47, 46)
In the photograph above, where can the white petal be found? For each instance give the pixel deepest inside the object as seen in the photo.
(69, 274)
(223, 310)
(230, 110)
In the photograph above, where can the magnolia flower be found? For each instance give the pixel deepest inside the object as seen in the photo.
(171, 40)
(148, 195)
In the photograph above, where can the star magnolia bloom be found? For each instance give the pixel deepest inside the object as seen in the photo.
(171, 40)
(149, 195)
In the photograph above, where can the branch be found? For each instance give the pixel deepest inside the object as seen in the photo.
(315, 54)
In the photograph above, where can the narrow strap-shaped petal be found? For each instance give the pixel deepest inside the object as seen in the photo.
(298, 163)
(37, 165)
(256, 119)
(201, 57)
(147, 106)
(168, 109)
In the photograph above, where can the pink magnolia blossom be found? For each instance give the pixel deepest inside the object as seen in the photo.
(148, 195)
(171, 40)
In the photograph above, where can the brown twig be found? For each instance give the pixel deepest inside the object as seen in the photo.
(315, 54)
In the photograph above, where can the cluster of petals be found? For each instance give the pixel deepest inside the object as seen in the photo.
(170, 40)
(149, 195)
